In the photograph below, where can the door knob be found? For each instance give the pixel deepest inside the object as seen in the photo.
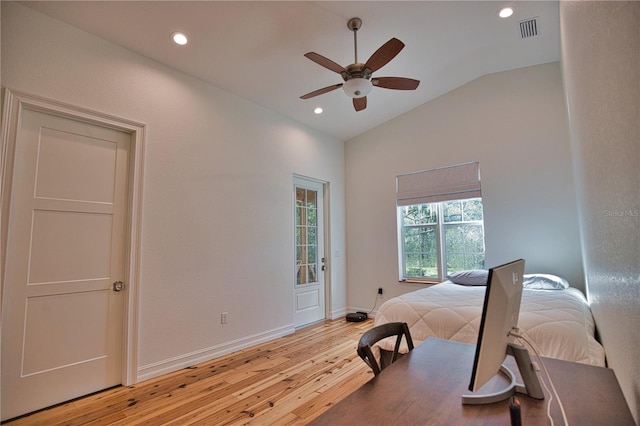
(118, 286)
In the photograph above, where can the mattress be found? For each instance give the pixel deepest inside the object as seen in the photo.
(558, 322)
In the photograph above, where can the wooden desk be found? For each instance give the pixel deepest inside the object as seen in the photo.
(426, 385)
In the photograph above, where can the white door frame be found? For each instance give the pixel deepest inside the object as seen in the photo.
(13, 105)
(326, 237)
(328, 301)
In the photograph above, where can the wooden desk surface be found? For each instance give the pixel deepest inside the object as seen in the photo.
(426, 385)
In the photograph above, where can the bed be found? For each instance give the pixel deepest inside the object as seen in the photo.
(558, 321)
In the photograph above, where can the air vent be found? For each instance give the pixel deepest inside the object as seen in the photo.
(528, 28)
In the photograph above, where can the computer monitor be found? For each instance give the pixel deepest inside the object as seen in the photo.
(499, 318)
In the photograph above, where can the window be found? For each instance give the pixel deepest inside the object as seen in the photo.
(440, 222)
(440, 238)
(306, 235)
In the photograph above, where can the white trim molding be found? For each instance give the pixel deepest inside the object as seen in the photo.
(156, 369)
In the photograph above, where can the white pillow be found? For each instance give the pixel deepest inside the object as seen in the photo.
(469, 277)
(544, 282)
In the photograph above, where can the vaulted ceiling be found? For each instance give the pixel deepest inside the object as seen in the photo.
(255, 49)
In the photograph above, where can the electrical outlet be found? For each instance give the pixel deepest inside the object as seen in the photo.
(224, 317)
(380, 290)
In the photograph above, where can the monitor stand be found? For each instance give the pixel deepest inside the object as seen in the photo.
(530, 386)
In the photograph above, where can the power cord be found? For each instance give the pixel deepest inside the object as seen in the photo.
(535, 349)
(375, 304)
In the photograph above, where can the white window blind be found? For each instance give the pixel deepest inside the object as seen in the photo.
(442, 184)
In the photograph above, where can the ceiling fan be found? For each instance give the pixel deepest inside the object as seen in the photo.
(357, 77)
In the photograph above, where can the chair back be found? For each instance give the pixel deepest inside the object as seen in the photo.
(377, 333)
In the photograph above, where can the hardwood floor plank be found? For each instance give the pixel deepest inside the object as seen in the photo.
(304, 394)
(300, 391)
(265, 395)
(329, 397)
(288, 381)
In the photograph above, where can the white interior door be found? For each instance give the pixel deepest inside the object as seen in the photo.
(62, 329)
(310, 258)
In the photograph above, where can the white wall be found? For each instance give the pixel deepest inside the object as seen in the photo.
(601, 70)
(217, 233)
(515, 124)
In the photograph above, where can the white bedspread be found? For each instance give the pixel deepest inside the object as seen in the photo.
(559, 322)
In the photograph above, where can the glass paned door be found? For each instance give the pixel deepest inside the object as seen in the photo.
(306, 236)
(310, 265)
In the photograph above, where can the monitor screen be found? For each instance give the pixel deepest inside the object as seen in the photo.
(499, 317)
(497, 326)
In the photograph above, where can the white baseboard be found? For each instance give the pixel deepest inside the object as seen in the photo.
(170, 365)
(339, 313)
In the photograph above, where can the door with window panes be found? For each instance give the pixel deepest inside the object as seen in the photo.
(310, 261)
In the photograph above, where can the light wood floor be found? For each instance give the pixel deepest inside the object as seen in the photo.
(288, 381)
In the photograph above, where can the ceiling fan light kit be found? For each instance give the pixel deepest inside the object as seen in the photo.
(358, 81)
(357, 87)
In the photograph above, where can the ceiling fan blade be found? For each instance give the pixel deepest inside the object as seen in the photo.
(360, 103)
(384, 54)
(397, 83)
(325, 62)
(321, 91)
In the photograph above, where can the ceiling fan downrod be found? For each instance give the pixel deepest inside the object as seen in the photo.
(354, 25)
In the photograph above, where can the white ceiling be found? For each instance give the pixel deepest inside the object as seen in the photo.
(255, 48)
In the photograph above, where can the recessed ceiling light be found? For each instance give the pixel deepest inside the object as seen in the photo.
(505, 12)
(318, 110)
(179, 38)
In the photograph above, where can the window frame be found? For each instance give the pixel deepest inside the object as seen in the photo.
(440, 243)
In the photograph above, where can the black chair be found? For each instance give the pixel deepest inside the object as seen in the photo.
(371, 337)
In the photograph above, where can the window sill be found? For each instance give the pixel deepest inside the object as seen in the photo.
(416, 281)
